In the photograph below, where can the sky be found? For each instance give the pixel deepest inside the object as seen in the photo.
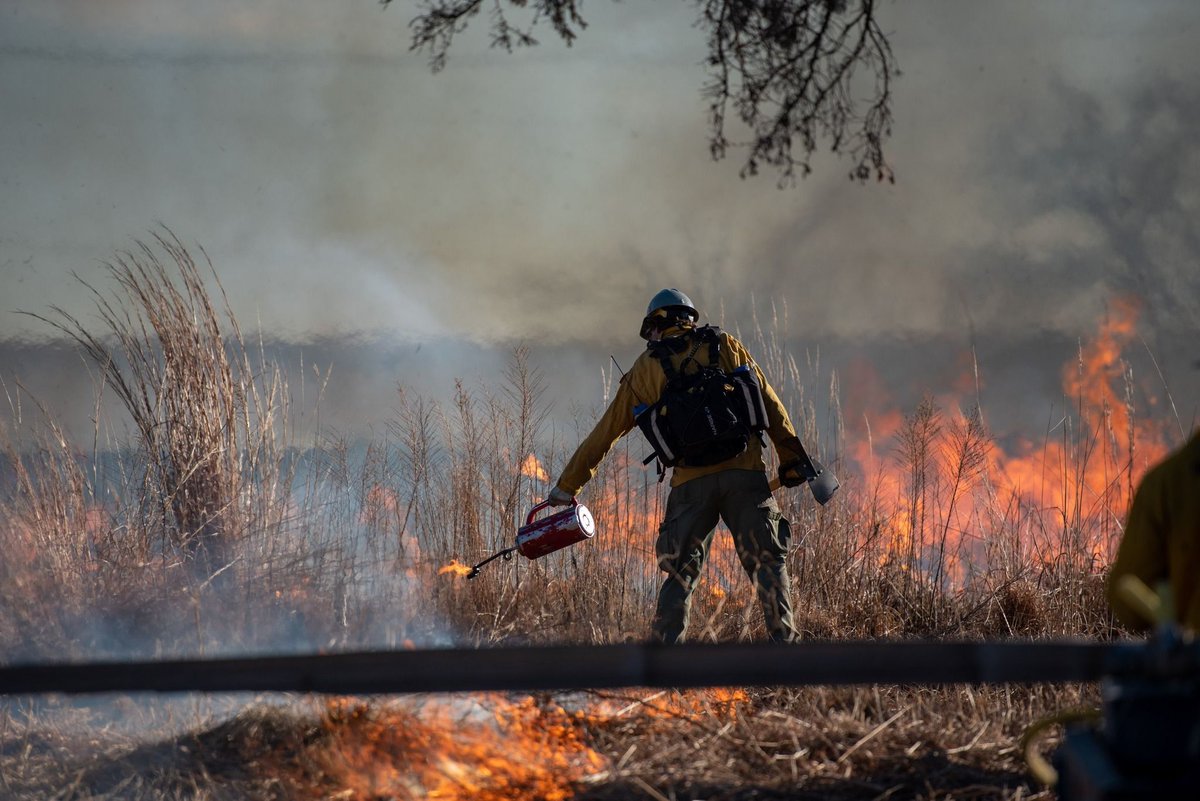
(409, 226)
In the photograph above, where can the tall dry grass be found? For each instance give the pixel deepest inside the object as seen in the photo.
(213, 529)
(209, 527)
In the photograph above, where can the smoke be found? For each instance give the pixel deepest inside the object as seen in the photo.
(386, 227)
(1125, 181)
(361, 208)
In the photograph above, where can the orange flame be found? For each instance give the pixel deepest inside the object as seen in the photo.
(484, 749)
(454, 568)
(948, 484)
(532, 468)
(380, 507)
(729, 696)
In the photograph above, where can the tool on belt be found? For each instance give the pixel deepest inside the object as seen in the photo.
(547, 535)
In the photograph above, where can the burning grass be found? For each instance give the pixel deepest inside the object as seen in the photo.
(215, 531)
(829, 743)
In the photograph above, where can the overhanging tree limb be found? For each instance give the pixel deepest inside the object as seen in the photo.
(794, 72)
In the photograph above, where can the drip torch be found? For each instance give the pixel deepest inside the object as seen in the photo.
(536, 539)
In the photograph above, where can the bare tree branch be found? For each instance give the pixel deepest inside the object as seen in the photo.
(796, 72)
(438, 21)
(793, 73)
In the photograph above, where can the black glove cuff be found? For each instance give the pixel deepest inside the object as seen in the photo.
(792, 474)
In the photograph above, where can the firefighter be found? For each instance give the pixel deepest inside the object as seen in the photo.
(1162, 538)
(734, 490)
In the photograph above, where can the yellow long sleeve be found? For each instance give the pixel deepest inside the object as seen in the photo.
(1162, 538)
(643, 384)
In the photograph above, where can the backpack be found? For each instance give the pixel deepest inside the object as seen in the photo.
(704, 416)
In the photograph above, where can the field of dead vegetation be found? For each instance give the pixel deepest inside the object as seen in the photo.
(216, 529)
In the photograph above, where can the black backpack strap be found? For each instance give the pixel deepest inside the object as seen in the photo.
(691, 357)
(710, 335)
(658, 465)
(664, 350)
(713, 335)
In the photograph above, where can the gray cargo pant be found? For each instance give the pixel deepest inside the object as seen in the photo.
(742, 498)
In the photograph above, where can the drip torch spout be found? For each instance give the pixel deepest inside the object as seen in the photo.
(506, 554)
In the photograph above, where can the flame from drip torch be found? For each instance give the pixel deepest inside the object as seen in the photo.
(455, 568)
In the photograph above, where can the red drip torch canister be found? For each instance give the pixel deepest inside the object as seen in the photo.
(556, 531)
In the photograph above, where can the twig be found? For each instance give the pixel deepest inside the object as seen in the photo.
(971, 744)
(653, 793)
(870, 735)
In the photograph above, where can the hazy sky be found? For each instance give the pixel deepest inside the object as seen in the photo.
(1044, 151)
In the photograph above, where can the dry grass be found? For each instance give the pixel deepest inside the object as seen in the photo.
(822, 742)
(214, 530)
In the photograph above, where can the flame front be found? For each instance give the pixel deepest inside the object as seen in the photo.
(951, 482)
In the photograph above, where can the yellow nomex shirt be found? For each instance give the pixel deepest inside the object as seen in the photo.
(644, 383)
(1162, 537)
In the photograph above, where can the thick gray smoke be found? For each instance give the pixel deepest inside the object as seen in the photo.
(409, 227)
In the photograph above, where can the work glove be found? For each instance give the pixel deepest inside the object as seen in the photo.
(793, 473)
(559, 498)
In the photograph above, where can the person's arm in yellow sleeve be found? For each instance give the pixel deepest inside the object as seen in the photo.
(614, 424)
(1143, 550)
